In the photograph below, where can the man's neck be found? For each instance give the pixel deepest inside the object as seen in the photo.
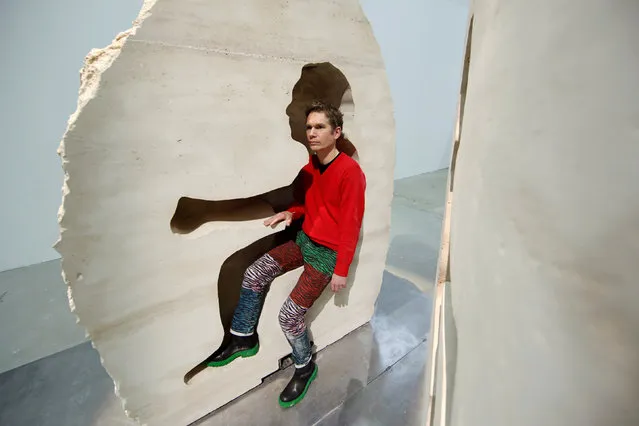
(328, 155)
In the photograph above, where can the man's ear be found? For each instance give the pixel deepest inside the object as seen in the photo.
(337, 132)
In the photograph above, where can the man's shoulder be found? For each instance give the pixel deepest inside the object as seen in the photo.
(350, 165)
(351, 172)
(310, 165)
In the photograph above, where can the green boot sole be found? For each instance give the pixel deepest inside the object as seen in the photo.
(246, 353)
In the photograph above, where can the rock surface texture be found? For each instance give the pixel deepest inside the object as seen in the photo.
(545, 219)
(187, 136)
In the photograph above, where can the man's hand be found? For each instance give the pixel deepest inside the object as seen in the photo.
(274, 220)
(338, 283)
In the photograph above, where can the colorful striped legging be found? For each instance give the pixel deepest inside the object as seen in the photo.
(318, 262)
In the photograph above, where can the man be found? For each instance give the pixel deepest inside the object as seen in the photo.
(332, 213)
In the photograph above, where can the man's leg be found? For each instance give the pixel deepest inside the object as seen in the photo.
(310, 286)
(317, 274)
(257, 278)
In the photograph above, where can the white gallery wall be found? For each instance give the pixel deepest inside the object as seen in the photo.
(43, 44)
(422, 42)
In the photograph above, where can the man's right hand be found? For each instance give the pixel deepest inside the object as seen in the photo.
(274, 220)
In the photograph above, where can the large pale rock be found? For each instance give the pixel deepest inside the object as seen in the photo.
(185, 127)
(545, 218)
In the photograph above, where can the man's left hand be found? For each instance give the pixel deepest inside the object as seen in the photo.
(338, 283)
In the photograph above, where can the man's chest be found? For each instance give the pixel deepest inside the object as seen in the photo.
(325, 189)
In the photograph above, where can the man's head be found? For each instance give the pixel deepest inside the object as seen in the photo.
(324, 124)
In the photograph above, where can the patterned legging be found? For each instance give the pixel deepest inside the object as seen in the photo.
(318, 263)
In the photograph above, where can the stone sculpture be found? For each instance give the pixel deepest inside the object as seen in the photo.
(185, 139)
(540, 308)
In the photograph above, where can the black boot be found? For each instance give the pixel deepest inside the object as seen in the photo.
(296, 389)
(237, 346)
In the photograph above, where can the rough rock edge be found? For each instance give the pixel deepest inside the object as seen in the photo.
(95, 63)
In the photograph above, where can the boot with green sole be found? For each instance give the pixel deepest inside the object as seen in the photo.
(296, 389)
(238, 346)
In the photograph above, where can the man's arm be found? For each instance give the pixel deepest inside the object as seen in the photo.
(352, 203)
(297, 210)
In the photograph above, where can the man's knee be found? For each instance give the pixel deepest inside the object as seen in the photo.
(291, 318)
(261, 273)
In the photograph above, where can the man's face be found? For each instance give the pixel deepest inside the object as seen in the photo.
(319, 132)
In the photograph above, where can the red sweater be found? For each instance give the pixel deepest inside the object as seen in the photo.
(334, 207)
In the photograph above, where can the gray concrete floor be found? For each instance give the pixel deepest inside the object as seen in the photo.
(51, 376)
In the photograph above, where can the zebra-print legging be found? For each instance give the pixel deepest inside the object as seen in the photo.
(318, 263)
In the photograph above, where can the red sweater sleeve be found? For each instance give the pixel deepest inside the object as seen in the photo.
(352, 202)
(297, 209)
(302, 183)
